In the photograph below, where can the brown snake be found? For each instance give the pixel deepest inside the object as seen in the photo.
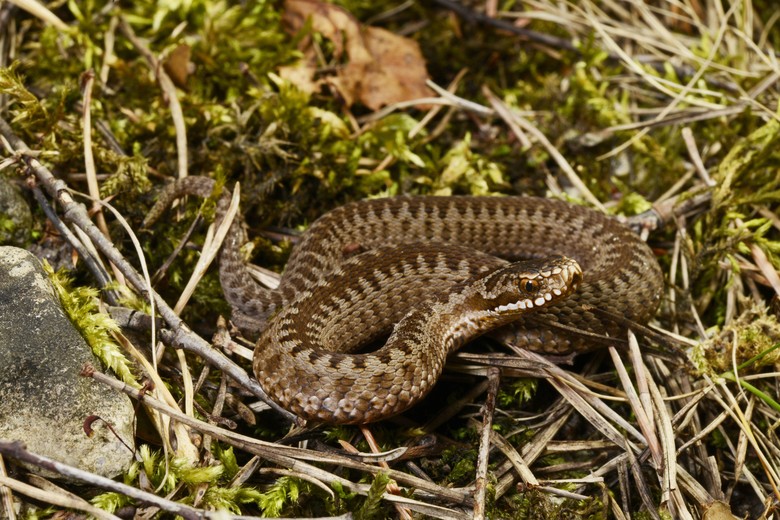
(429, 272)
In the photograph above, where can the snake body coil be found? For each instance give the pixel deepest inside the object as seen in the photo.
(432, 273)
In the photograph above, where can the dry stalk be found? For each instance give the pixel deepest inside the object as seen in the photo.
(488, 409)
(169, 91)
(75, 213)
(6, 498)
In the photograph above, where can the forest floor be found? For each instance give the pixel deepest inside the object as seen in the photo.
(662, 112)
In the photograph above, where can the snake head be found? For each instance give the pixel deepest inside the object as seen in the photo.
(523, 286)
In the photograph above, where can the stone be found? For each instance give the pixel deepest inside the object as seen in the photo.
(44, 401)
(15, 215)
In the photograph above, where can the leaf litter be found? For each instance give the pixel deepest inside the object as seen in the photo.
(624, 105)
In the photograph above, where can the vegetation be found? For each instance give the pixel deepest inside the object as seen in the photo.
(628, 105)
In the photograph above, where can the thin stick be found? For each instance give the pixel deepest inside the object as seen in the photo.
(169, 89)
(94, 266)
(76, 214)
(109, 37)
(17, 450)
(291, 457)
(563, 164)
(39, 11)
(89, 159)
(693, 151)
(503, 111)
(7, 503)
(391, 486)
(488, 409)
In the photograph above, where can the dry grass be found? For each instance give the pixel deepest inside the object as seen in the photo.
(682, 424)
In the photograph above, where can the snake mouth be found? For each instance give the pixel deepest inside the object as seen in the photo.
(551, 283)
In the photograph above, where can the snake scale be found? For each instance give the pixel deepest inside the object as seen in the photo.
(427, 274)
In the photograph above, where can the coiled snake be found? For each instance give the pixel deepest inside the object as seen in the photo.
(432, 273)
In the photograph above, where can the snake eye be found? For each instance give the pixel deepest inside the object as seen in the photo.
(530, 285)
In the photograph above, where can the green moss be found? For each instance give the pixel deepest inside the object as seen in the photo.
(534, 504)
(168, 474)
(462, 466)
(227, 458)
(7, 227)
(518, 392)
(464, 171)
(297, 155)
(746, 178)
(35, 513)
(230, 498)
(33, 111)
(111, 501)
(81, 306)
(129, 175)
(372, 506)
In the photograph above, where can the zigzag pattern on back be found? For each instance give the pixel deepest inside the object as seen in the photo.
(420, 268)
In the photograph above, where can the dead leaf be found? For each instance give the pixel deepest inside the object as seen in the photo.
(301, 74)
(177, 65)
(717, 510)
(382, 67)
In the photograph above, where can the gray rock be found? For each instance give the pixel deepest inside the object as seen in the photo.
(43, 399)
(15, 216)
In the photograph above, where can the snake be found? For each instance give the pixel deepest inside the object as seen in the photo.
(420, 276)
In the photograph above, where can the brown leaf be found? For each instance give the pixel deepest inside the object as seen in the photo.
(301, 74)
(178, 65)
(382, 67)
(717, 511)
